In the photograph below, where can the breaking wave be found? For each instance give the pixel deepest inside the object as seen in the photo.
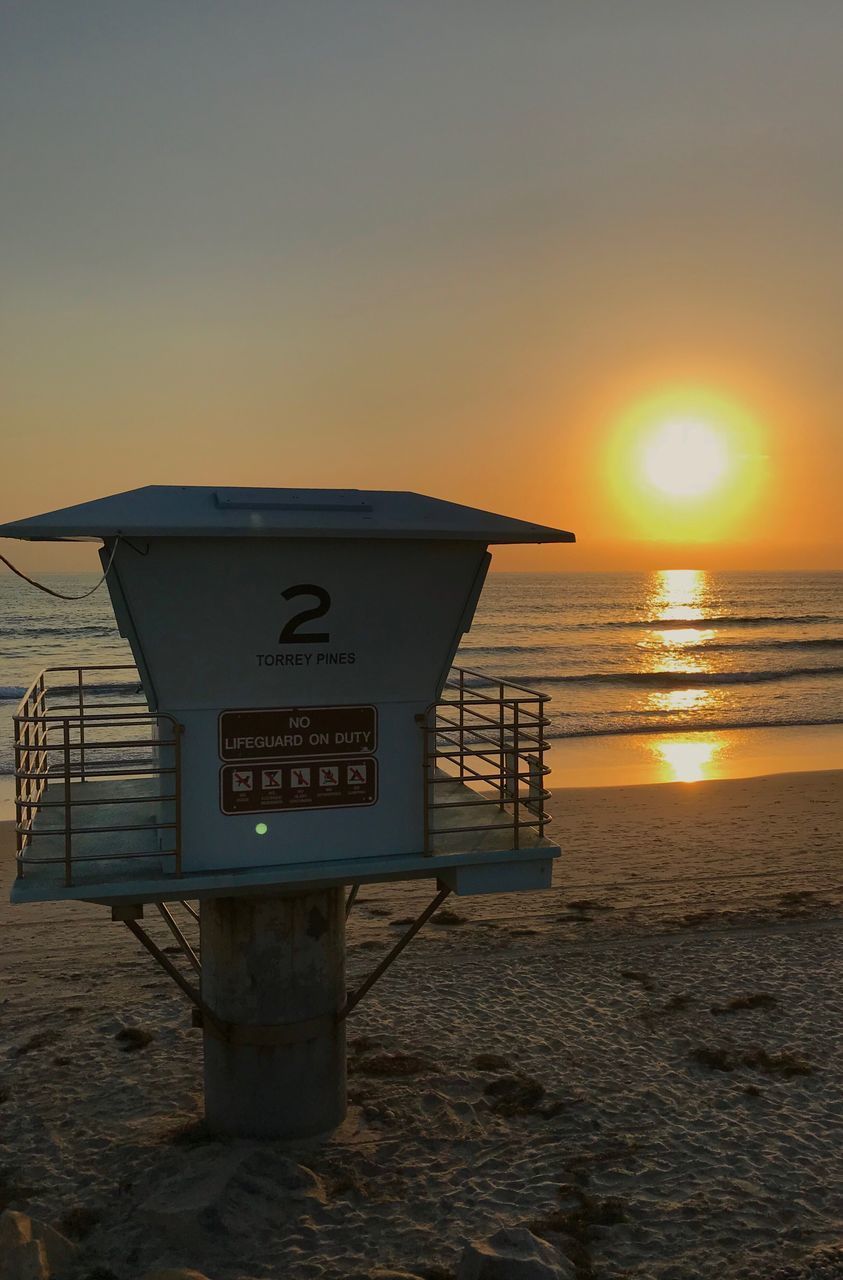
(665, 725)
(683, 679)
(720, 620)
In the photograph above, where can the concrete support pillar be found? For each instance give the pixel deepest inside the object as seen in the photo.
(273, 976)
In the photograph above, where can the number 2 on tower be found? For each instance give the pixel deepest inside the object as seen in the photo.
(290, 633)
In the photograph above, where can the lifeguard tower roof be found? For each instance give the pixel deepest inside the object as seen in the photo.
(172, 511)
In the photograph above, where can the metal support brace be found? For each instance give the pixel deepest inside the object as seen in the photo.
(190, 910)
(180, 938)
(284, 1033)
(231, 1033)
(354, 997)
(349, 902)
(166, 964)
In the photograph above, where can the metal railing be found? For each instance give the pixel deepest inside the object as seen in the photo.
(65, 755)
(71, 737)
(488, 735)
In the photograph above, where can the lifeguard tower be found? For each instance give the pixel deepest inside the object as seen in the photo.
(292, 728)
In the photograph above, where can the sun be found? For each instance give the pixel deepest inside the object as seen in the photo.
(684, 458)
(686, 464)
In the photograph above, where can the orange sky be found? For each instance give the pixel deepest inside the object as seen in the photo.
(420, 252)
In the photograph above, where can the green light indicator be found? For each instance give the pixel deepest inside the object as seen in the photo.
(261, 828)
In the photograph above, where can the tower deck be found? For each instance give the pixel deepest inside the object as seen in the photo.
(99, 802)
(113, 866)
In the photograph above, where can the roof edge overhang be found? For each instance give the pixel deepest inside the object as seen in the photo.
(541, 536)
(199, 511)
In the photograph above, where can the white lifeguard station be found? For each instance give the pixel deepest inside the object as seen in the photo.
(293, 728)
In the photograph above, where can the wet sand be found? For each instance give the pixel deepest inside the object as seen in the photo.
(643, 1064)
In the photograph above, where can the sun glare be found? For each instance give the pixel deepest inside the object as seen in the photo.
(684, 459)
(686, 465)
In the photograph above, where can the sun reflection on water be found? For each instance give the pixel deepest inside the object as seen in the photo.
(684, 761)
(684, 635)
(679, 699)
(682, 596)
(678, 593)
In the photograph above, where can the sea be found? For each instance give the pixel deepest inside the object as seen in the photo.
(630, 653)
(683, 658)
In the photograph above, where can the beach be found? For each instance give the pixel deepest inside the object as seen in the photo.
(642, 1065)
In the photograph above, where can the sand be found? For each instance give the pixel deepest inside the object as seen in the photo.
(644, 1064)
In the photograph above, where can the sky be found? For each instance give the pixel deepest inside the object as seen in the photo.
(482, 250)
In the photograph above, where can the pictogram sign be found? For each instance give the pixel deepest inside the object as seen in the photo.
(283, 786)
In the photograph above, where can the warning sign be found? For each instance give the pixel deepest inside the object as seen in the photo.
(282, 733)
(283, 786)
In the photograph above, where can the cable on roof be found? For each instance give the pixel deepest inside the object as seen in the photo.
(60, 595)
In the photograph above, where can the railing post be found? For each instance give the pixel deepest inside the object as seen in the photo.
(534, 793)
(462, 724)
(516, 780)
(502, 746)
(19, 785)
(81, 727)
(541, 774)
(68, 810)
(42, 736)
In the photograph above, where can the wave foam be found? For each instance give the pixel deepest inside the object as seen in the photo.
(718, 620)
(682, 679)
